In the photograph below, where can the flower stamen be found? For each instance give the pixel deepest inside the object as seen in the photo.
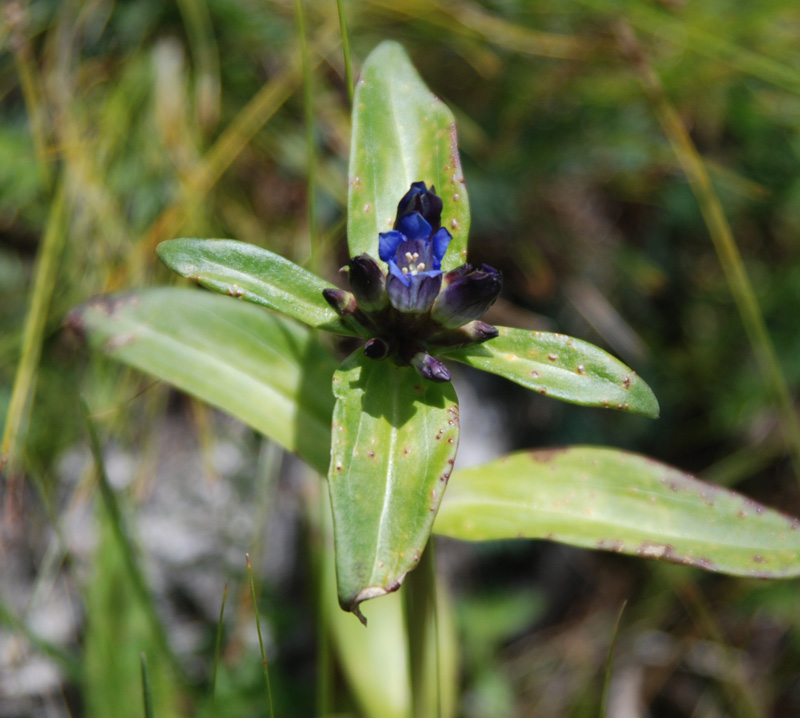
(414, 267)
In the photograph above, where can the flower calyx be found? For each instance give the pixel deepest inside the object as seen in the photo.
(413, 309)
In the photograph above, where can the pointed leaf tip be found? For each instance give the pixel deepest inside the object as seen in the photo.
(562, 367)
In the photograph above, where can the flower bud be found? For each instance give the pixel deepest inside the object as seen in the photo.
(343, 303)
(368, 283)
(473, 333)
(423, 200)
(430, 368)
(376, 348)
(466, 295)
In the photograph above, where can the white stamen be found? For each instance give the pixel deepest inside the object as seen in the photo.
(413, 268)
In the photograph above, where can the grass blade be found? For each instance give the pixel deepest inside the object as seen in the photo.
(217, 648)
(125, 545)
(147, 693)
(308, 117)
(348, 67)
(33, 334)
(260, 639)
(609, 662)
(721, 235)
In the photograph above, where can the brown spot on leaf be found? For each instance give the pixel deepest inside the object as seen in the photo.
(545, 455)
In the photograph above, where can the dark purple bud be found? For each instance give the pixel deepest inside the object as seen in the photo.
(423, 200)
(413, 294)
(466, 295)
(479, 331)
(343, 303)
(430, 368)
(472, 333)
(376, 348)
(368, 282)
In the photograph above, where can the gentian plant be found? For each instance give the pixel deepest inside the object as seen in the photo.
(387, 433)
(413, 310)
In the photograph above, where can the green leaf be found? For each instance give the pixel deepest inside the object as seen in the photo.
(611, 500)
(243, 270)
(402, 133)
(394, 442)
(563, 368)
(263, 369)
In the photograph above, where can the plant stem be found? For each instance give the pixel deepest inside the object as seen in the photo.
(348, 68)
(423, 636)
(308, 112)
(260, 638)
(217, 649)
(33, 334)
(147, 693)
(125, 545)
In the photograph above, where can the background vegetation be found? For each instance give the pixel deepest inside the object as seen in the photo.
(616, 155)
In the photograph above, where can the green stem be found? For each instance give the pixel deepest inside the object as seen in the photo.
(217, 649)
(308, 112)
(348, 68)
(324, 655)
(260, 638)
(125, 545)
(147, 693)
(423, 636)
(33, 333)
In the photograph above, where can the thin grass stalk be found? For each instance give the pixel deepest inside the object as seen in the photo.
(308, 116)
(217, 650)
(423, 636)
(44, 283)
(125, 544)
(200, 31)
(324, 703)
(473, 21)
(348, 67)
(740, 694)
(610, 662)
(231, 142)
(71, 665)
(260, 639)
(721, 235)
(147, 693)
(674, 27)
(34, 96)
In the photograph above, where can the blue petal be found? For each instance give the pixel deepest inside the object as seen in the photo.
(415, 297)
(388, 244)
(395, 271)
(441, 240)
(415, 226)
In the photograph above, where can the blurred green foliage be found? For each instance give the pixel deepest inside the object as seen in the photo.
(166, 119)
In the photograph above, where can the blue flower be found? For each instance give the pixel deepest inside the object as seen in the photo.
(414, 252)
(416, 310)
